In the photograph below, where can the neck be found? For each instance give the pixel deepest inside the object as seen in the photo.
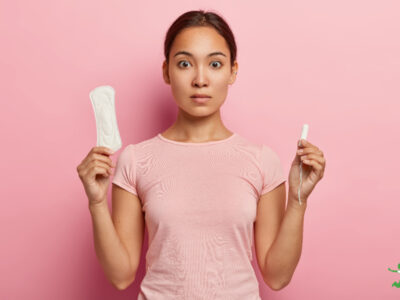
(191, 128)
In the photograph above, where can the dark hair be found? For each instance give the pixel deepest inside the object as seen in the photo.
(195, 18)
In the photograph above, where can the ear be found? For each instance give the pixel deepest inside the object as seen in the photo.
(235, 67)
(165, 72)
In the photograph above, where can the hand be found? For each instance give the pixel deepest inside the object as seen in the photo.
(313, 171)
(94, 172)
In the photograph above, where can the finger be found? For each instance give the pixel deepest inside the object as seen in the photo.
(100, 164)
(103, 164)
(100, 149)
(315, 165)
(98, 170)
(97, 157)
(307, 144)
(94, 168)
(105, 159)
(103, 150)
(308, 150)
(313, 156)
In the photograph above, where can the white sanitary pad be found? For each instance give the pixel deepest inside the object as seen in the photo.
(103, 102)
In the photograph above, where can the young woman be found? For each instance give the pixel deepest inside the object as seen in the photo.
(199, 188)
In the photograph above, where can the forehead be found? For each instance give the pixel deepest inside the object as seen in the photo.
(201, 40)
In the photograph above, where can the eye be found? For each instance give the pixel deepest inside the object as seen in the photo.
(179, 63)
(186, 62)
(217, 62)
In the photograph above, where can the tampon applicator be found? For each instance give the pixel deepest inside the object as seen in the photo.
(304, 133)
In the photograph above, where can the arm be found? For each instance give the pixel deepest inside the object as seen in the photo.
(278, 236)
(110, 252)
(118, 238)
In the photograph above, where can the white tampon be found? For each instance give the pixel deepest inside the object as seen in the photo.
(103, 102)
(304, 133)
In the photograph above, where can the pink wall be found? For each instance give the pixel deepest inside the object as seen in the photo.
(335, 66)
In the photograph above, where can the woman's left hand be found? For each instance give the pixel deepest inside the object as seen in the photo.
(313, 166)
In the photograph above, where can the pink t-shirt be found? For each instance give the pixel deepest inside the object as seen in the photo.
(200, 204)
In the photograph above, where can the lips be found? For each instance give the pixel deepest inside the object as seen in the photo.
(200, 96)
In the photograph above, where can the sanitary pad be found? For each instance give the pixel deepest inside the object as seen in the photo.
(103, 103)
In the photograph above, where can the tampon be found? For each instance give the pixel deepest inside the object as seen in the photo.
(304, 133)
(103, 102)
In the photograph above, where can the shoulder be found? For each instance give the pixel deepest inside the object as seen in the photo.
(248, 145)
(140, 146)
(261, 150)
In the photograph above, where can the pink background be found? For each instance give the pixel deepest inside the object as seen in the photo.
(335, 66)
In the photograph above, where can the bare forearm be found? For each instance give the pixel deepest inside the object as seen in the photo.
(285, 252)
(110, 251)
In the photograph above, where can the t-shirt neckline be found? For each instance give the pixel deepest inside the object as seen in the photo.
(160, 136)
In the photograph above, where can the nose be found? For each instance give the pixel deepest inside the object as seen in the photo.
(200, 78)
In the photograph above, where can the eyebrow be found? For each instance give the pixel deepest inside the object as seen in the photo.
(190, 54)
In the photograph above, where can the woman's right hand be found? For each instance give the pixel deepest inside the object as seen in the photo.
(94, 172)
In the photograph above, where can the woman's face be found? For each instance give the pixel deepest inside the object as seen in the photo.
(198, 72)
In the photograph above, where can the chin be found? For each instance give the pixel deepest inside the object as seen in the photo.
(199, 111)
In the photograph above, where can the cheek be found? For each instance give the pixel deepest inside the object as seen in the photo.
(178, 78)
(179, 86)
(220, 84)
(222, 78)
(178, 83)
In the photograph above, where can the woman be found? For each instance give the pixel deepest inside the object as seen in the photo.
(198, 187)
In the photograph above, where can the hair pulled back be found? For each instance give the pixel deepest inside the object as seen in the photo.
(195, 18)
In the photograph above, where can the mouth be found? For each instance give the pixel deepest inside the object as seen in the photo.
(200, 98)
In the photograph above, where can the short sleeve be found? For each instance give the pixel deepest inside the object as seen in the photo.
(125, 170)
(272, 170)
